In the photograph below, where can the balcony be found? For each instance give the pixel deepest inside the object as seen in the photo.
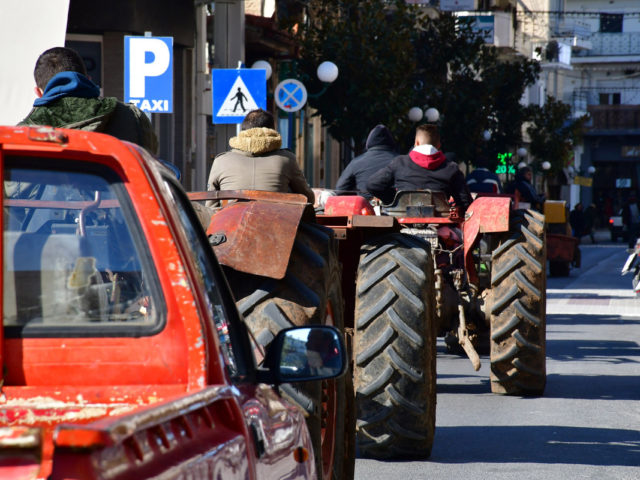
(614, 117)
(573, 33)
(613, 44)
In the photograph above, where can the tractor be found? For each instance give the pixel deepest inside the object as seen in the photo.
(395, 280)
(422, 270)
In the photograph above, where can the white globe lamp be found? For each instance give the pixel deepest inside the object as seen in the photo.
(327, 72)
(591, 170)
(415, 114)
(263, 65)
(522, 152)
(486, 135)
(546, 165)
(432, 115)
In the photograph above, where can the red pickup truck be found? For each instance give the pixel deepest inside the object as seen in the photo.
(123, 354)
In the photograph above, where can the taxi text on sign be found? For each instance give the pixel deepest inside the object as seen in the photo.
(148, 73)
(237, 91)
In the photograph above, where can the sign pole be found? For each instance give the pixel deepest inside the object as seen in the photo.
(291, 131)
(198, 179)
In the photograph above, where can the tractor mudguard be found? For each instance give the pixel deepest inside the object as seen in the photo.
(484, 215)
(346, 205)
(255, 236)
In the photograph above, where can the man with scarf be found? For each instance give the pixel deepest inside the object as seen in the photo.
(424, 168)
(68, 99)
(256, 161)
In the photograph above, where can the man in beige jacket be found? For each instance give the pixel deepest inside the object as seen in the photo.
(256, 161)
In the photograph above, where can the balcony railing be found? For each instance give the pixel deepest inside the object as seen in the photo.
(606, 44)
(614, 117)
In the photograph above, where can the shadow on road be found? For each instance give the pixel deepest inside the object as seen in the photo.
(593, 387)
(558, 319)
(476, 386)
(536, 444)
(607, 351)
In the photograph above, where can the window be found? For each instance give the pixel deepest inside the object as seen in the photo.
(73, 255)
(208, 276)
(609, 98)
(611, 22)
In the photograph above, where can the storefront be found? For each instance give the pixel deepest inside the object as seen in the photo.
(616, 158)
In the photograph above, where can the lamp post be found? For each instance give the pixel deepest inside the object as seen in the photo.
(263, 65)
(432, 115)
(295, 94)
(415, 114)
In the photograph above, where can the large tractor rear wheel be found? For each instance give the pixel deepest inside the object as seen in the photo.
(395, 348)
(518, 308)
(310, 293)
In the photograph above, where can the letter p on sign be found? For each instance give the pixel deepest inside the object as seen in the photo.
(148, 77)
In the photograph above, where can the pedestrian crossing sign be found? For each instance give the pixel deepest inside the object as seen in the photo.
(237, 91)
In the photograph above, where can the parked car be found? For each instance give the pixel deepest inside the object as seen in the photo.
(617, 228)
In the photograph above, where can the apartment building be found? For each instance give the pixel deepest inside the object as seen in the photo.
(590, 56)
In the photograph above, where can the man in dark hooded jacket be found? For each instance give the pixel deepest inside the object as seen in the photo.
(525, 188)
(68, 99)
(380, 150)
(425, 167)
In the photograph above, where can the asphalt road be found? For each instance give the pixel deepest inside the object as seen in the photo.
(587, 424)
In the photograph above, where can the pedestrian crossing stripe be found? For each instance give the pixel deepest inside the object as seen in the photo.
(233, 101)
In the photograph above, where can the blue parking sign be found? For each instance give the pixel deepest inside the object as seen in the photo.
(148, 73)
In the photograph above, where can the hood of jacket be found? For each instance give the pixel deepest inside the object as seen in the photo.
(380, 136)
(74, 112)
(67, 84)
(257, 141)
(427, 156)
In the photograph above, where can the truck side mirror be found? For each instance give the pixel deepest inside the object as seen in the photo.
(303, 354)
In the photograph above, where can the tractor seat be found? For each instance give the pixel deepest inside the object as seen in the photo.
(418, 203)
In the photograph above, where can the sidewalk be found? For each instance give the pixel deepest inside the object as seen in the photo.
(601, 235)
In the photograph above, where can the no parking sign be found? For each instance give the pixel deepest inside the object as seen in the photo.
(290, 95)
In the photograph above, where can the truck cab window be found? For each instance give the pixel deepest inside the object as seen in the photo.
(72, 261)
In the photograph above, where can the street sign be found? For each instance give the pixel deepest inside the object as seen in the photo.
(236, 92)
(290, 95)
(148, 73)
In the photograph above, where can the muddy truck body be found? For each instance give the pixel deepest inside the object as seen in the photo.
(123, 353)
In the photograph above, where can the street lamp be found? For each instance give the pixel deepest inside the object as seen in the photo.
(291, 94)
(591, 169)
(546, 165)
(432, 115)
(522, 152)
(415, 114)
(327, 72)
(263, 65)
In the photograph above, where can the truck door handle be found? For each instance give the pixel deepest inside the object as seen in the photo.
(257, 432)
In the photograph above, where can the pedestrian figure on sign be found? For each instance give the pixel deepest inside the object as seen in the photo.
(239, 96)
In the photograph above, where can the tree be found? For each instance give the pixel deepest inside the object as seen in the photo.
(474, 88)
(393, 56)
(553, 133)
(371, 42)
